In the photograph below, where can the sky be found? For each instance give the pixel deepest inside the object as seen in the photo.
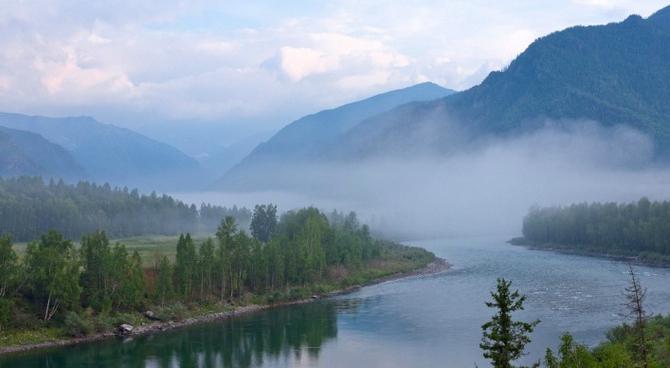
(248, 67)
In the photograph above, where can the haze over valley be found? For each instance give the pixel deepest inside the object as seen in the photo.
(163, 165)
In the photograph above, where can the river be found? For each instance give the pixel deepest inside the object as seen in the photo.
(423, 321)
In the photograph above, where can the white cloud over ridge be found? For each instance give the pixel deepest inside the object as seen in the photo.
(154, 61)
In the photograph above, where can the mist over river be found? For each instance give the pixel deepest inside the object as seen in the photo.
(426, 321)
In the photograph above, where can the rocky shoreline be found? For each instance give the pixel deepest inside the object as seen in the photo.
(435, 267)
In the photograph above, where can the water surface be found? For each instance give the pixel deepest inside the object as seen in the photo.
(424, 321)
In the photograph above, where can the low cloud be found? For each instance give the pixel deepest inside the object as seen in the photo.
(486, 191)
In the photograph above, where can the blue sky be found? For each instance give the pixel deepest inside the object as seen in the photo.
(259, 65)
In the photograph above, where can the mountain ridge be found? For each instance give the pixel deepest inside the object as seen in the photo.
(26, 153)
(106, 152)
(301, 140)
(616, 74)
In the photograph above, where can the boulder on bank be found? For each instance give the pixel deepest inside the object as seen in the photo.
(151, 315)
(125, 329)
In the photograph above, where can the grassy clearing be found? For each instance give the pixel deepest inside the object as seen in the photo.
(150, 247)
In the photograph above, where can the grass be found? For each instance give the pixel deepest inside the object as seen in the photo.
(150, 247)
(33, 336)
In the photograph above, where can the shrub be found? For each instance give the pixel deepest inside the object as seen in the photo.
(77, 326)
(5, 313)
(173, 312)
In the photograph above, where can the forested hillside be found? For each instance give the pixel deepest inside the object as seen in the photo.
(26, 153)
(108, 153)
(613, 74)
(30, 207)
(640, 228)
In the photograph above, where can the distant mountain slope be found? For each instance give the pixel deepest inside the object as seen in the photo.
(302, 140)
(614, 74)
(105, 151)
(25, 153)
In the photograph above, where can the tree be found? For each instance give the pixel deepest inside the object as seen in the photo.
(185, 267)
(134, 287)
(264, 222)
(164, 273)
(206, 262)
(225, 233)
(9, 278)
(95, 279)
(53, 269)
(503, 338)
(570, 355)
(9, 267)
(635, 295)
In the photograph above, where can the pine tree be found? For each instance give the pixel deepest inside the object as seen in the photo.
(635, 296)
(503, 338)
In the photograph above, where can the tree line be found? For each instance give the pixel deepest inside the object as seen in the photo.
(55, 279)
(30, 207)
(641, 226)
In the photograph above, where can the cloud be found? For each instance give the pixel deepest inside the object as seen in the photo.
(152, 61)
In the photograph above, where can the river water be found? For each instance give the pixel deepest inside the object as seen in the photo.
(427, 321)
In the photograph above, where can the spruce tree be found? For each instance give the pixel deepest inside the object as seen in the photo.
(503, 338)
(635, 296)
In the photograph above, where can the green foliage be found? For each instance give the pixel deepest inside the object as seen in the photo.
(206, 268)
(186, 266)
(9, 279)
(619, 351)
(5, 312)
(626, 229)
(9, 268)
(53, 273)
(504, 339)
(29, 207)
(100, 285)
(77, 326)
(164, 279)
(264, 222)
(111, 278)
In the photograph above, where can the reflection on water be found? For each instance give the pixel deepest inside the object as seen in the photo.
(427, 321)
(282, 336)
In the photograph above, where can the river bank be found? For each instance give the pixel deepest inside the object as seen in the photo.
(437, 266)
(644, 259)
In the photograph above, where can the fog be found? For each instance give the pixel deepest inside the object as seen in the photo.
(485, 191)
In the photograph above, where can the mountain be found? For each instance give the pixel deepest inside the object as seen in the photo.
(617, 73)
(220, 158)
(107, 152)
(302, 140)
(25, 153)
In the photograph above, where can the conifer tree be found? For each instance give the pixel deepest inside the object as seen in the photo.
(635, 296)
(503, 338)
